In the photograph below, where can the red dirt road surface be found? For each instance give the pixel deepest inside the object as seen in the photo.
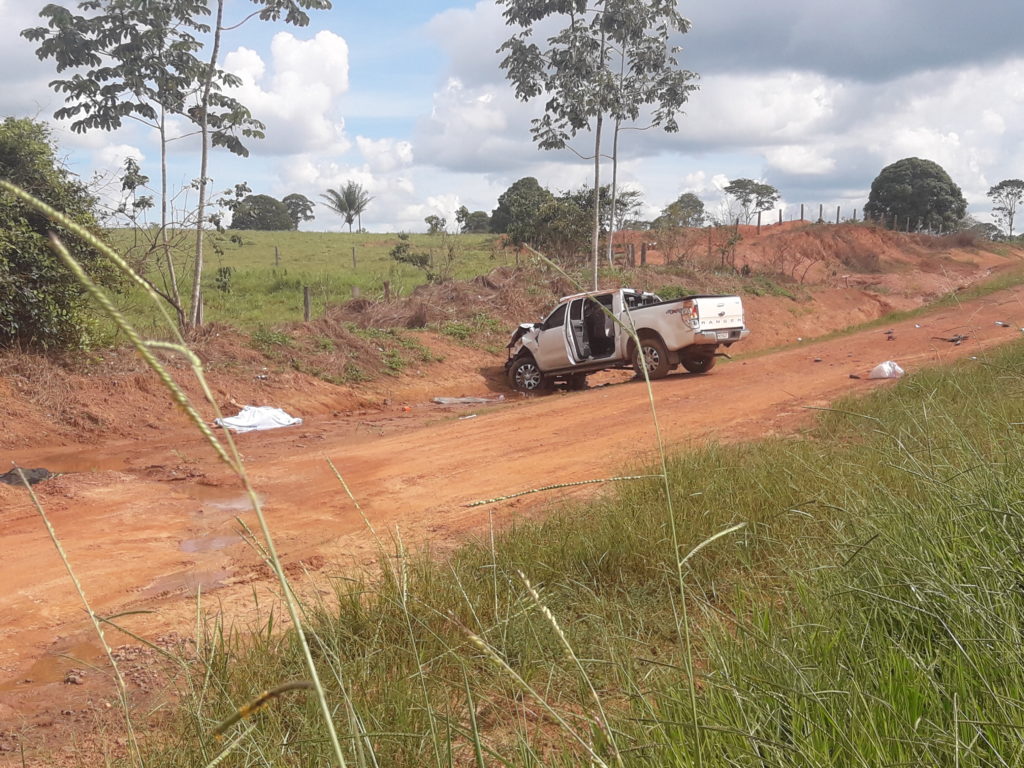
(146, 523)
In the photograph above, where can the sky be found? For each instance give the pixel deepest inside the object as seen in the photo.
(407, 98)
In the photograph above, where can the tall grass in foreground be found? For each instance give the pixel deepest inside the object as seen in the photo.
(869, 613)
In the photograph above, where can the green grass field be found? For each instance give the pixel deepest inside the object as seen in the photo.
(264, 289)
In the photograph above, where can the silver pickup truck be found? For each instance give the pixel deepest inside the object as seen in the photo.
(580, 336)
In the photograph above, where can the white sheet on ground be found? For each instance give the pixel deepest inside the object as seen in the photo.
(253, 417)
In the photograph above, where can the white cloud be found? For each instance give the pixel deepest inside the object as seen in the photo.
(385, 155)
(800, 159)
(113, 155)
(299, 100)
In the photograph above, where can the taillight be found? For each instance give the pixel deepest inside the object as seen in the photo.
(693, 316)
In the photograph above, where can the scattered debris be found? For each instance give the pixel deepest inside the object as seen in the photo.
(891, 337)
(467, 400)
(470, 416)
(817, 359)
(854, 375)
(886, 370)
(1001, 324)
(955, 340)
(257, 417)
(74, 677)
(917, 325)
(889, 332)
(32, 475)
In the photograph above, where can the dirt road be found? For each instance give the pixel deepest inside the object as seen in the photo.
(147, 523)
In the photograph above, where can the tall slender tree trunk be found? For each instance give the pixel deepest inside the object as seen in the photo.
(596, 241)
(615, 162)
(204, 131)
(615, 176)
(165, 245)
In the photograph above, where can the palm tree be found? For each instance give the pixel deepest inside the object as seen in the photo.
(350, 201)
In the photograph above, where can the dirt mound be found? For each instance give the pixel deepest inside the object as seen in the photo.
(503, 292)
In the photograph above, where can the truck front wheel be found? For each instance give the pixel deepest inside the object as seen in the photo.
(652, 355)
(699, 363)
(525, 376)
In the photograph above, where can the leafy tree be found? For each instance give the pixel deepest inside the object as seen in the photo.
(918, 192)
(562, 227)
(140, 60)
(350, 201)
(435, 224)
(686, 211)
(42, 305)
(517, 210)
(574, 72)
(300, 208)
(752, 196)
(261, 212)
(472, 221)
(1006, 196)
(611, 207)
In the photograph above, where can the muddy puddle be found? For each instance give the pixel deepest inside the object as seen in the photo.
(53, 667)
(215, 499)
(73, 461)
(189, 582)
(213, 542)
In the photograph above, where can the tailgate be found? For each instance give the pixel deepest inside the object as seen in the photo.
(716, 312)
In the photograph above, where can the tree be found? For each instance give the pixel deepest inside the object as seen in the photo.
(1006, 196)
(475, 222)
(686, 211)
(300, 208)
(350, 201)
(917, 192)
(42, 305)
(517, 210)
(611, 208)
(435, 224)
(261, 212)
(752, 196)
(137, 59)
(574, 71)
(140, 60)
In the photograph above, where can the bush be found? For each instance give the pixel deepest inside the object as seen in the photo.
(42, 305)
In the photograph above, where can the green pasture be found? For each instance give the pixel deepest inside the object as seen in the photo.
(259, 281)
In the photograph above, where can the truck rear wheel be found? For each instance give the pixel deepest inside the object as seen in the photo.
(653, 355)
(699, 364)
(525, 376)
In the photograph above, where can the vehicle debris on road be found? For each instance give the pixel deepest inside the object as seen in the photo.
(955, 340)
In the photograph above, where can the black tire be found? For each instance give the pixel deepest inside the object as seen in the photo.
(652, 351)
(525, 376)
(701, 364)
(577, 382)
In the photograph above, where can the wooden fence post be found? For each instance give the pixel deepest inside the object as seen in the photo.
(709, 244)
(837, 214)
(801, 211)
(355, 291)
(387, 291)
(307, 305)
(353, 257)
(780, 215)
(759, 222)
(643, 254)
(821, 211)
(277, 256)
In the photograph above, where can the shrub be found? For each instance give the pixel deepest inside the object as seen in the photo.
(42, 305)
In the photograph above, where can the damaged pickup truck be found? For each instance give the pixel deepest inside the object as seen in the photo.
(581, 336)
